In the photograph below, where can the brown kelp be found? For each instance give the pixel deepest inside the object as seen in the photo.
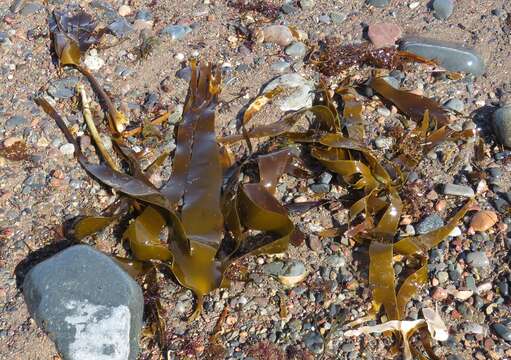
(209, 224)
(336, 142)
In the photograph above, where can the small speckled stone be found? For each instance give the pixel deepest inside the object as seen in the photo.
(67, 149)
(478, 259)
(429, 223)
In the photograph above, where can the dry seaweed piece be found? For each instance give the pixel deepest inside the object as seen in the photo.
(334, 57)
(16, 152)
(259, 102)
(71, 37)
(412, 105)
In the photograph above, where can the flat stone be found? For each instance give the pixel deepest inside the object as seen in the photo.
(378, 3)
(15, 121)
(320, 188)
(306, 4)
(384, 34)
(449, 55)
(301, 97)
(443, 9)
(474, 328)
(64, 88)
(31, 8)
(67, 149)
(429, 223)
(274, 268)
(478, 259)
(503, 331)
(501, 122)
(278, 34)
(458, 190)
(296, 50)
(280, 66)
(314, 342)
(184, 73)
(176, 32)
(455, 104)
(87, 304)
(338, 18)
(120, 27)
(336, 261)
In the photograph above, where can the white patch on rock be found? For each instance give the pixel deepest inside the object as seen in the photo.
(93, 61)
(102, 333)
(300, 98)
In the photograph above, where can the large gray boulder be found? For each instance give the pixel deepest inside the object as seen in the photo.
(88, 305)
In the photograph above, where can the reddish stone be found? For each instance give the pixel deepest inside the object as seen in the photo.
(384, 34)
(439, 294)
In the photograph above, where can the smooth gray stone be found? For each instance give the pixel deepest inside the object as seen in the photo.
(501, 122)
(378, 3)
(296, 50)
(455, 104)
(458, 190)
(87, 304)
(451, 56)
(176, 32)
(443, 8)
(503, 331)
(478, 259)
(120, 27)
(429, 223)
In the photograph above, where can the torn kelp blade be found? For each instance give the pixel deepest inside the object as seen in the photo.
(330, 159)
(340, 142)
(274, 129)
(143, 234)
(382, 278)
(352, 116)
(259, 210)
(259, 102)
(88, 225)
(272, 166)
(411, 104)
(411, 286)
(421, 244)
(66, 49)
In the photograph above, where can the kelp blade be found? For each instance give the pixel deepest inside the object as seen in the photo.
(382, 278)
(89, 225)
(143, 234)
(411, 104)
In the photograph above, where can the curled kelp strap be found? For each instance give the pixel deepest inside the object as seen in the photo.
(412, 105)
(352, 115)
